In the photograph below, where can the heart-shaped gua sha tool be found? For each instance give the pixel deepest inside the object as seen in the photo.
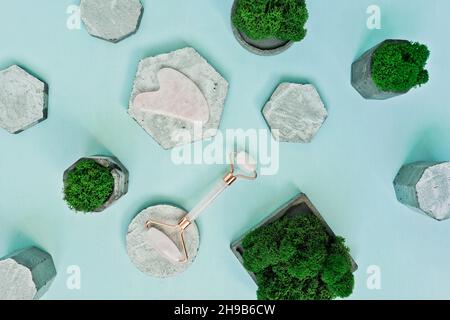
(178, 97)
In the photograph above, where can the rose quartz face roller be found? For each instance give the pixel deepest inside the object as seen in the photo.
(162, 243)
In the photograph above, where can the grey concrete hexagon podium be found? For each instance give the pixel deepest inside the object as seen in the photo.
(111, 20)
(23, 100)
(167, 128)
(295, 113)
(425, 186)
(26, 274)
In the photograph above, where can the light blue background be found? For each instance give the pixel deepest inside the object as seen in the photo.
(347, 171)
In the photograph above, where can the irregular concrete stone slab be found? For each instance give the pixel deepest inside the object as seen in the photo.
(425, 186)
(147, 259)
(119, 173)
(23, 100)
(169, 131)
(295, 113)
(178, 97)
(111, 20)
(362, 76)
(26, 274)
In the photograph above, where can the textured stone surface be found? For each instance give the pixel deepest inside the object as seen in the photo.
(296, 112)
(142, 254)
(362, 76)
(118, 171)
(111, 20)
(178, 97)
(23, 100)
(164, 129)
(425, 186)
(26, 274)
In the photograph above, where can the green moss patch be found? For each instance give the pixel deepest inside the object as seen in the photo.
(294, 258)
(88, 186)
(399, 67)
(268, 19)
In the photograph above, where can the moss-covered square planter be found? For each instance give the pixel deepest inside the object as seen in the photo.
(299, 205)
(119, 174)
(265, 47)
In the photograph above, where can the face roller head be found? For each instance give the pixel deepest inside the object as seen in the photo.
(246, 163)
(164, 245)
(162, 242)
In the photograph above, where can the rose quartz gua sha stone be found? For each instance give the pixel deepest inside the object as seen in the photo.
(177, 97)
